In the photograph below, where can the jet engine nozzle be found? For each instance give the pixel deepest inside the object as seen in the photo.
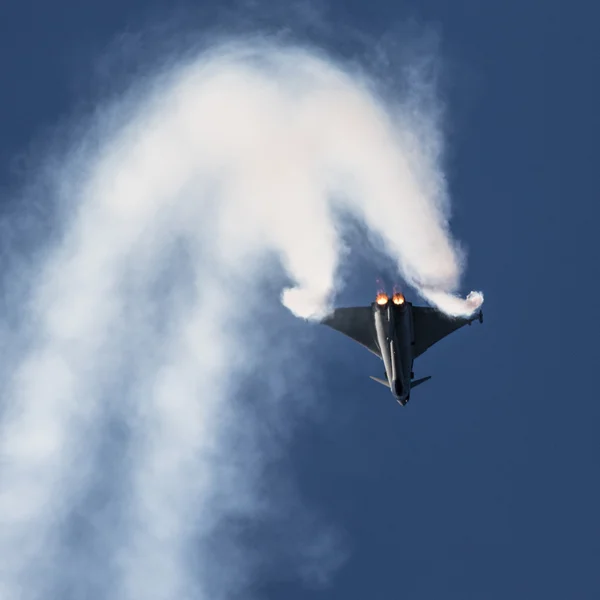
(398, 299)
(382, 299)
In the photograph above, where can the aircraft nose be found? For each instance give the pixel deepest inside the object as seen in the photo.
(398, 388)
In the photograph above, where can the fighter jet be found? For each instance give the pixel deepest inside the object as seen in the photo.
(397, 332)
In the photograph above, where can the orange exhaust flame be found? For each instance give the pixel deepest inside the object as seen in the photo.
(398, 299)
(382, 299)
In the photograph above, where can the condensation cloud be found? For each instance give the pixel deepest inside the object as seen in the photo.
(243, 154)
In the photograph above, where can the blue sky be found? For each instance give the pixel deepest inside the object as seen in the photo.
(486, 484)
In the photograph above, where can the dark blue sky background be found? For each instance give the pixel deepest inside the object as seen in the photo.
(487, 484)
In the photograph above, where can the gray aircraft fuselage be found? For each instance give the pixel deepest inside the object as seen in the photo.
(396, 350)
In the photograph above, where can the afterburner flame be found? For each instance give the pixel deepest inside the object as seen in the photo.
(382, 299)
(398, 299)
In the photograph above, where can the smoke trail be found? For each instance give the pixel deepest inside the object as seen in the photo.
(233, 158)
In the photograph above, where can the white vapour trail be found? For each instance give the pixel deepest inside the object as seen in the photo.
(239, 153)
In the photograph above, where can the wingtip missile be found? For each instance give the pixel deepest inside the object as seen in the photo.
(477, 317)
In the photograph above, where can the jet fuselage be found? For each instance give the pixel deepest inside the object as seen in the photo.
(395, 348)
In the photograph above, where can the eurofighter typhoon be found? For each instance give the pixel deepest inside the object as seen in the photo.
(397, 332)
